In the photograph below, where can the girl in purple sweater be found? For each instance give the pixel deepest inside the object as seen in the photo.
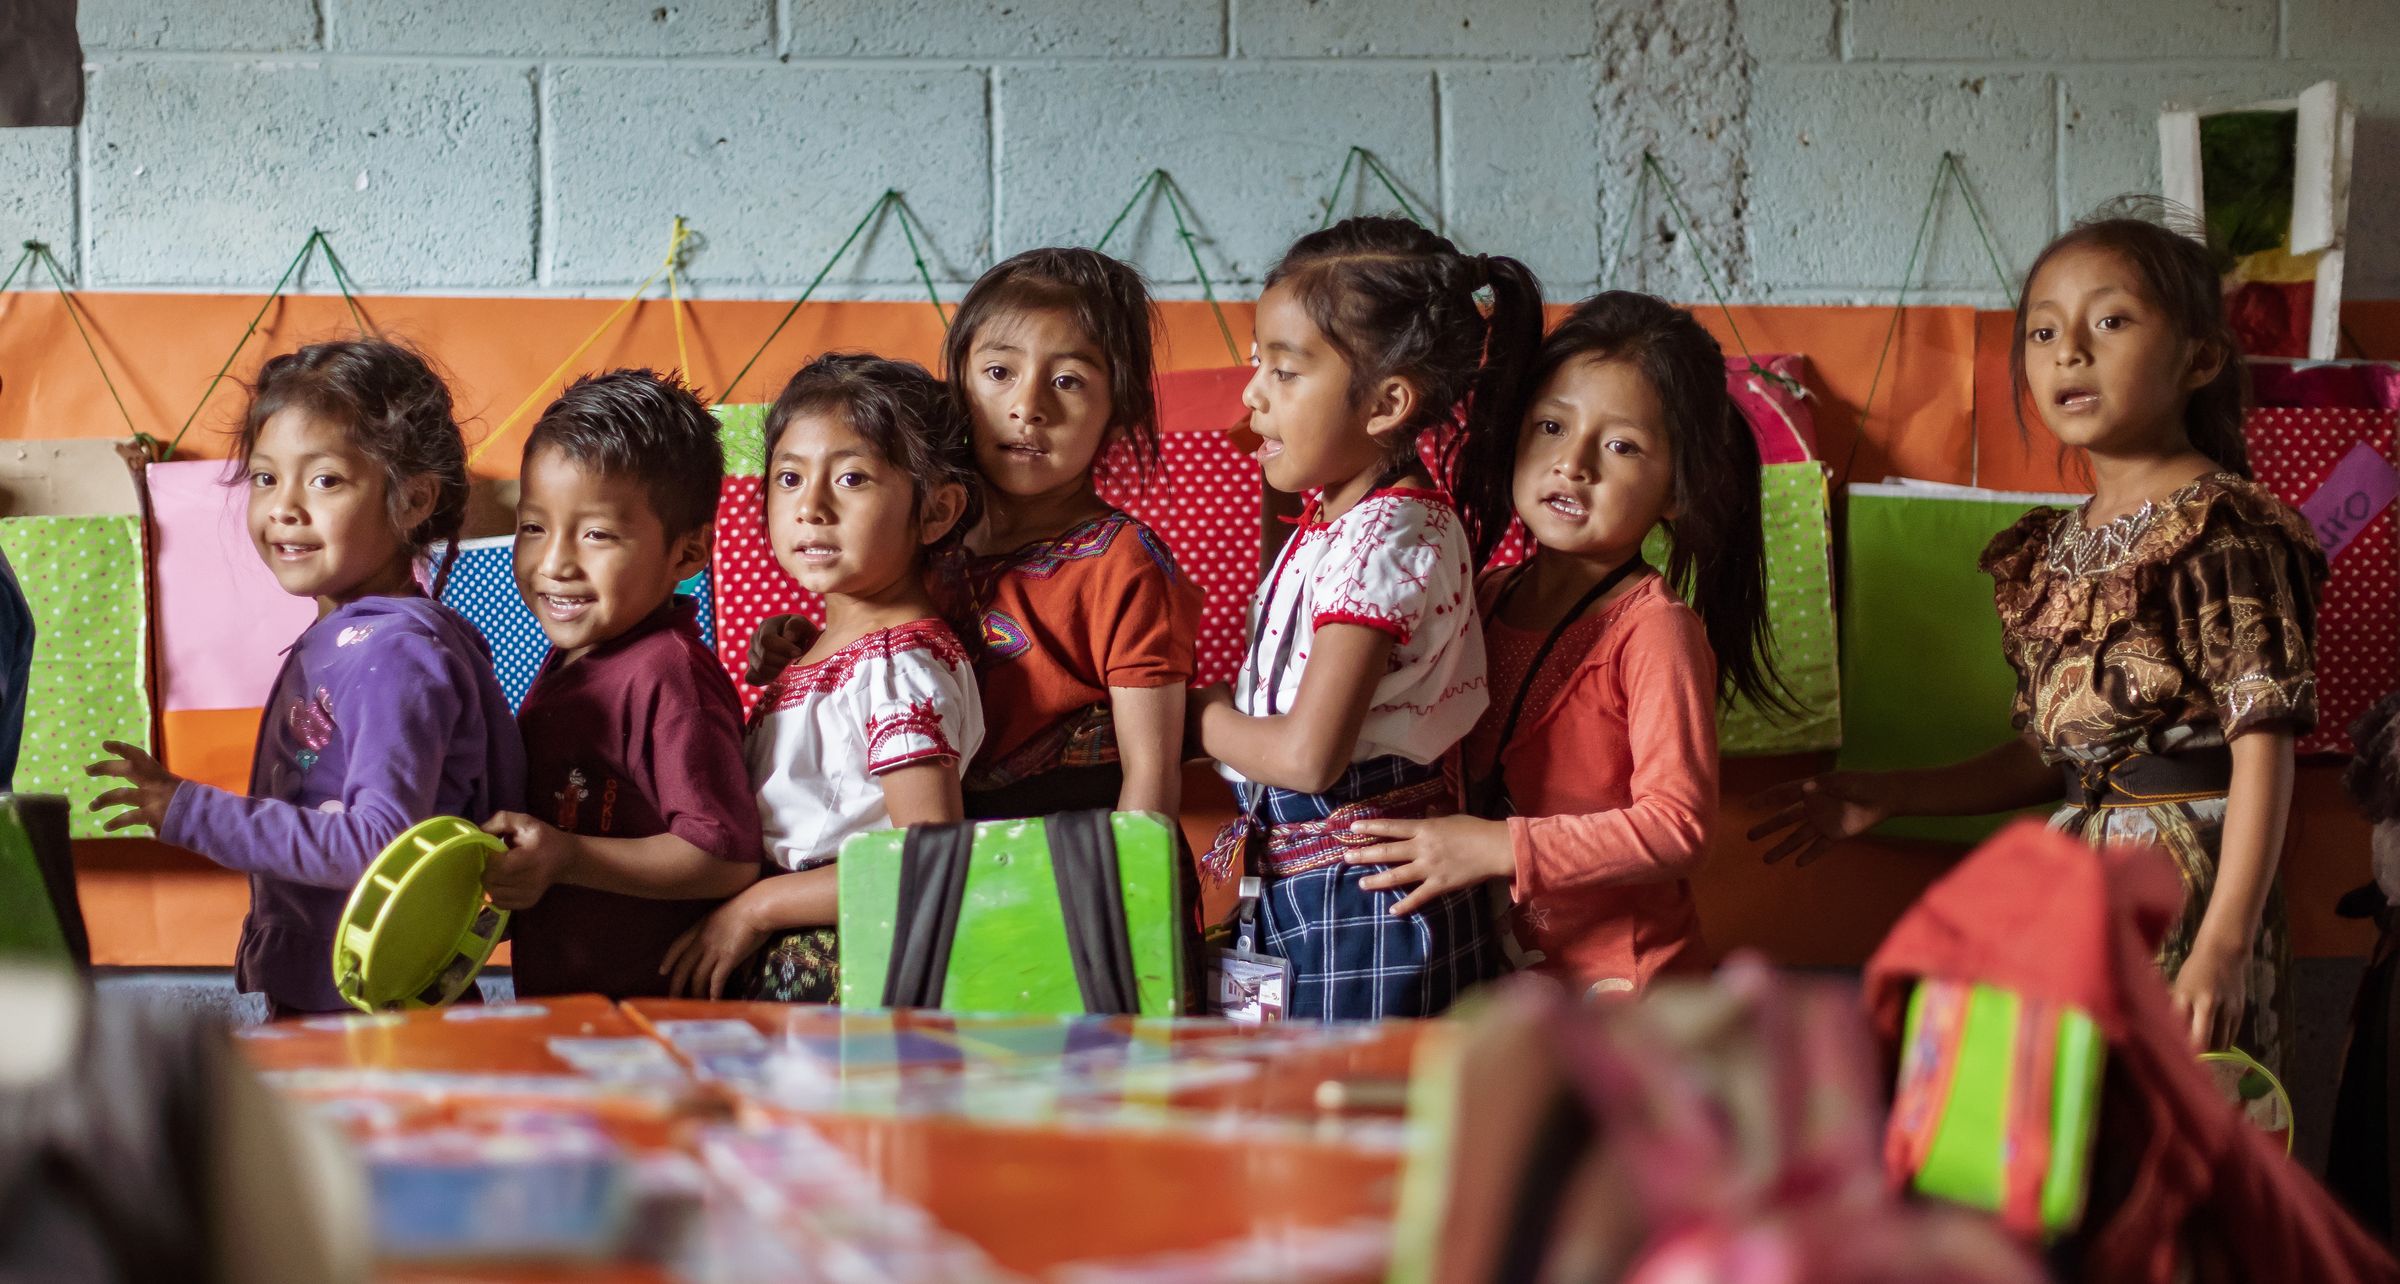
(386, 711)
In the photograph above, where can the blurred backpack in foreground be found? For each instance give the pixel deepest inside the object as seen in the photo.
(1725, 1130)
(2180, 1185)
(136, 1146)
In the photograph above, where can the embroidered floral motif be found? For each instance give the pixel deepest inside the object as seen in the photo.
(920, 720)
(799, 681)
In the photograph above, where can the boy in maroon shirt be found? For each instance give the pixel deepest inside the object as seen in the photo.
(642, 817)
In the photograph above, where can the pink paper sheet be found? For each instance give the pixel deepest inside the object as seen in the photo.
(223, 623)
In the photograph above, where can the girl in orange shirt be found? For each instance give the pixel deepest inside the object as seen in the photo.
(1592, 777)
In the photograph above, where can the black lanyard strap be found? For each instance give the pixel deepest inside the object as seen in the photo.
(1516, 708)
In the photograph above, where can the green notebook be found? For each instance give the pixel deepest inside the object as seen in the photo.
(1009, 950)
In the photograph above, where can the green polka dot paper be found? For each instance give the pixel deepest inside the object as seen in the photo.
(83, 578)
(1796, 518)
(742, 431)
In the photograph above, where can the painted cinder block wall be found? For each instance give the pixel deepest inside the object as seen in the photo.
(543, 146)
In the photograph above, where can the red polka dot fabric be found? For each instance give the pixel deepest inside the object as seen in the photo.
(2358, 631)
(749, 585)
(1205, 503)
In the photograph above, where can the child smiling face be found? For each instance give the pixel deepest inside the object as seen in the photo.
(592, 557)
(1595, 466)
(320, 515)
(1040, 391)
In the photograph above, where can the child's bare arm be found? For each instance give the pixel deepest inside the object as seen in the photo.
(701, 960)
(923, 793)
(2212, 989)
(661, 867)
(1838, 805)
(1309, 747)
(1149, 725)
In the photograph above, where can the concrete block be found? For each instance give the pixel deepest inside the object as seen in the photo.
(240, 25)
(1842, 160)
(1005, 28)
(2111, 146)
(1075, 143)
(37, 197)
(543, 27)
(1674, 83)
(213, 173)
(1788, 30)
(1520, 154)
(2342, 28)
(2064, 30)
(772, 166)
(1404, 28)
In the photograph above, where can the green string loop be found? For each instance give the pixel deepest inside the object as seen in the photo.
(1360, 156)
(1691, 236)
(59, 277)
(307, 248)
(22, 260)
(1159, 181)
(907, 218)
(788, 313)
(342, 282)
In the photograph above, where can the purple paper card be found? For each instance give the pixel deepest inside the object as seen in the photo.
(2355, 493)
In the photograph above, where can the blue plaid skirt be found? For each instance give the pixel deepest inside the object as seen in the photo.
(1351, 959)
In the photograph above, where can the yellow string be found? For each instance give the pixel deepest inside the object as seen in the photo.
(551, 380)
(683, 358)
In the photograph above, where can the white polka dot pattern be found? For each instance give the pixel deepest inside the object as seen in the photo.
(1205, 503)
(2358, 629)
(82, 577)
(483, 588)
(749, 585)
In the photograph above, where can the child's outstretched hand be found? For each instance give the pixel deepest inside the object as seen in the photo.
(780, 640)
(537, 856)
(150, 787)
(1820, 811)
(702, 959)
(1440, 855)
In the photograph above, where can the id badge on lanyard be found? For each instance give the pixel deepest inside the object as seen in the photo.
(1245, 983)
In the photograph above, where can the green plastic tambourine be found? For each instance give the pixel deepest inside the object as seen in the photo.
(417, 928)
(2254, 1090)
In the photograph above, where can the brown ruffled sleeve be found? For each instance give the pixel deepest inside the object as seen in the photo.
(2243, 595)
(2017, 561)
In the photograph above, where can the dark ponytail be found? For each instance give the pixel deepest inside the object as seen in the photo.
(1397, 300)
(2180, 275)
(1717, 556)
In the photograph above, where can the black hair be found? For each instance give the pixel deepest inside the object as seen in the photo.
(1398, 300)
(905, 413)
(392, 408)
(1717, 557)
(2373, 776)
(1109, 302)
(2180, 276)
(644, 425)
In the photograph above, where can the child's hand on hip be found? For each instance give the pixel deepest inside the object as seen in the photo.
(780, 640)
(703, 959)
(149, 790)
(1440, 856)
(537, 856)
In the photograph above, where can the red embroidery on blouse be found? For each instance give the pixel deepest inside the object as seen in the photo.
(923, 719)
(830, 674)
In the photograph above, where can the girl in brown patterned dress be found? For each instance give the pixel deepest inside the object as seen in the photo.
(2162, 633)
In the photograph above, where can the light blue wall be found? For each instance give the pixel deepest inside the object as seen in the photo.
(542, 146)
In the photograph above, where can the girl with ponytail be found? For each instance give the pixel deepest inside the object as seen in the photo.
(1366, 658)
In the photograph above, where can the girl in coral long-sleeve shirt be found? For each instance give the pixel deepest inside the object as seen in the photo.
(1593, 774)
